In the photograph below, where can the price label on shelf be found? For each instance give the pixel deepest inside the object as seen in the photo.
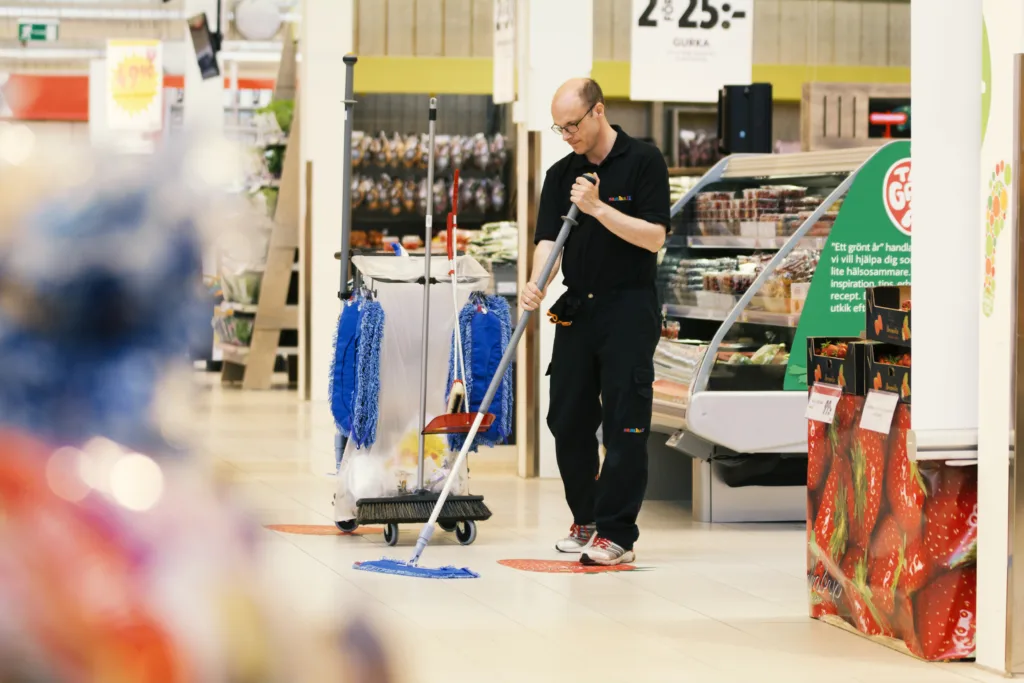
(686, 50)
(822, 401)
(879, 407)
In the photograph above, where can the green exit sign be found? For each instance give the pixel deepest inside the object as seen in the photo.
(38, 30)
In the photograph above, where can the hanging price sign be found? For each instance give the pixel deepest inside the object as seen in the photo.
(822, 401)
(504, 60)
(686, 50)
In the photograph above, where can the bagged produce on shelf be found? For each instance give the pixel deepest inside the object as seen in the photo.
(495, 243)
(499, 152)
(482, 196)
(443, 153)
(361, 144)
(497, 195)
(481, 152)
(411, 151)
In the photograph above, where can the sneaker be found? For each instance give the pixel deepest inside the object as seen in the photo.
(580, 536)
(604, 552)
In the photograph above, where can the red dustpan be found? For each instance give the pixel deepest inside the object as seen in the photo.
(457, 423)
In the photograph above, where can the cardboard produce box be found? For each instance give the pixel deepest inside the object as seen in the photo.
(841, 361)
(889, 369)
(888, 315)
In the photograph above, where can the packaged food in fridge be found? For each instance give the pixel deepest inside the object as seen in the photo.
(767, 353)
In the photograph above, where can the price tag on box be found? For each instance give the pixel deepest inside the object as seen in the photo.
(879, 407)
(822, 401)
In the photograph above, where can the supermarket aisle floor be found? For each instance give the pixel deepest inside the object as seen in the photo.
(717, 604)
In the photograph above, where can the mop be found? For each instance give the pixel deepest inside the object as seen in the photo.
(485, 323)
(411, 568)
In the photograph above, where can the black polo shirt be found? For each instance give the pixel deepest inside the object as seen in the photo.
(634, 180)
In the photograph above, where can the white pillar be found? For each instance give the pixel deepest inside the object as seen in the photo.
(552, 56)
(1004, 22)
(327, 36)
(204, 100)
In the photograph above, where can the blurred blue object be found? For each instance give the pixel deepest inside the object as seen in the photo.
(101, 292)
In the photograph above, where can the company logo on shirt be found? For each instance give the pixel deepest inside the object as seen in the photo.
(621, 198)
(633, 430)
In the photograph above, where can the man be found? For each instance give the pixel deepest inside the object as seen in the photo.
(602, 366)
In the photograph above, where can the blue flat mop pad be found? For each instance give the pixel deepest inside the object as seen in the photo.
(399, 568)
(485, 336)
(342, 384)
(365, 410)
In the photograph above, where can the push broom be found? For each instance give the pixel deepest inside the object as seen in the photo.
(474, 422)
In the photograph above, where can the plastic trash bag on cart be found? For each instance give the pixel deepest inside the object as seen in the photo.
(389, 466)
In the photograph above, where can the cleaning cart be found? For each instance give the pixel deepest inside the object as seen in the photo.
(396, 478)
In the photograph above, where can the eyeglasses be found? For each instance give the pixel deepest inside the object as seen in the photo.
(571, 128)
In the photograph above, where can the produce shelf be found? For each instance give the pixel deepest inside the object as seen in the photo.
(752, 317)
(740, 242)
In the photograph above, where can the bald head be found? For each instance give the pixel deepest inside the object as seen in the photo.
(579, 91)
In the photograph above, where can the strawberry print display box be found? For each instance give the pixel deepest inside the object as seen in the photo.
(891, 544)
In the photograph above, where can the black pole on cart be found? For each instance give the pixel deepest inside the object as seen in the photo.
(427, 238)
(346, 217)
(346, 189)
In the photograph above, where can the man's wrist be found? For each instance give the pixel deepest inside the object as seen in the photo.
(601, 212)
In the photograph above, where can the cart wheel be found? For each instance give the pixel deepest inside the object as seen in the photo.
(347, 526)
(465, 532)
(391, 534)
(447, 527)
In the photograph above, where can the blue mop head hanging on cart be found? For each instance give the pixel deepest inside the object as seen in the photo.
(485, 325)
(355, 371)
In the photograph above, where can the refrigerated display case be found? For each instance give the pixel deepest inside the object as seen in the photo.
(733, 278)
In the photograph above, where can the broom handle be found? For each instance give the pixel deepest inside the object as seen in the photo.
(568, 222)
(428, 236)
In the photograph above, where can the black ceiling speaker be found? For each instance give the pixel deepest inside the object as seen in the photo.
(745, 119)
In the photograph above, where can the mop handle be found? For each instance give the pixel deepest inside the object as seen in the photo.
(568, 222)
(425, 333)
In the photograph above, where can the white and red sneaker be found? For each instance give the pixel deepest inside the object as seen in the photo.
(605, 553)
(580, 536)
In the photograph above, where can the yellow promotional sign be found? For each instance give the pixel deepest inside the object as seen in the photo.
(135, 85)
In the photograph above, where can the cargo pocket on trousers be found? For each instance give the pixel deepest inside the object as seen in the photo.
(639, 402)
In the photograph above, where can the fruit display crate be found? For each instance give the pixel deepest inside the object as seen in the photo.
(889, 369)
(891, 543)
(840, 361)
(888, 315)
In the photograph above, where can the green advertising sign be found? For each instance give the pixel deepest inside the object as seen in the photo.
(869, 246)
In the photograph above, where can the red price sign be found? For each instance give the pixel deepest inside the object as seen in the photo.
(897, 195)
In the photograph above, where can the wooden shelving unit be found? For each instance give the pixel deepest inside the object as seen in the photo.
(254, 366)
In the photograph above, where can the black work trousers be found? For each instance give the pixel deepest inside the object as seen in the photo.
(602, 372)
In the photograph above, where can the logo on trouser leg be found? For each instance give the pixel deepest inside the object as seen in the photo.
(634, 430)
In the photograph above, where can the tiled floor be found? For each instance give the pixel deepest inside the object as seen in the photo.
(723, 603)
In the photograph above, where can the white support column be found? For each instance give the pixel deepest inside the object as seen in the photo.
(554, 55)
(204, 99)
(327, 36)
(995, 239)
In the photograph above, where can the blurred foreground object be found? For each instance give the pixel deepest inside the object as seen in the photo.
(118, 564)
(116, 568)
(100, 296)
